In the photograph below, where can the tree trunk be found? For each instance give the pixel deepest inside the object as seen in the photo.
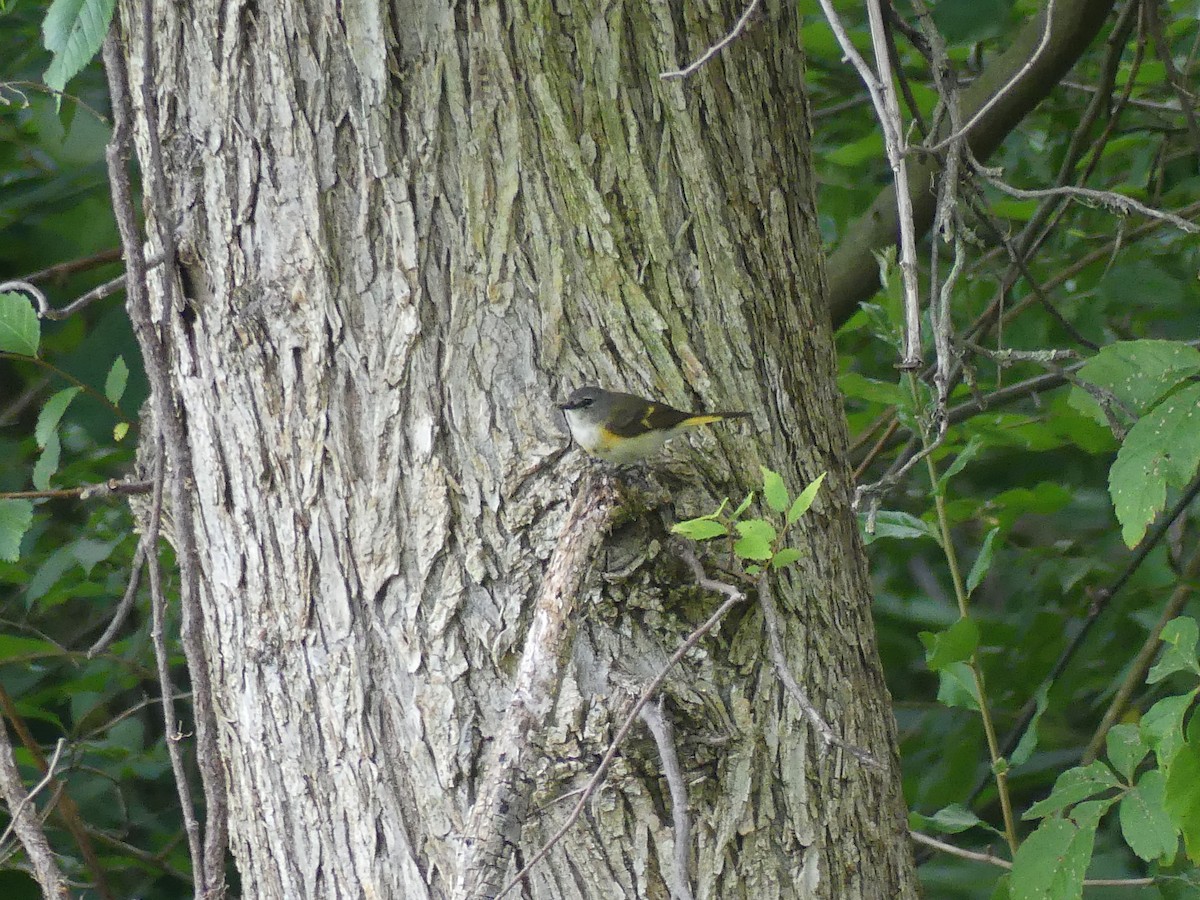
(407, 230)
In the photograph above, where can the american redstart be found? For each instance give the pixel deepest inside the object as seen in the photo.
(623, 428)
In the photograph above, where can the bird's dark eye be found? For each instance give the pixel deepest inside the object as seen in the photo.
(584, 402)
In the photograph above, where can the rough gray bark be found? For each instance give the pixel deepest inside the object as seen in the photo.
(405, 231)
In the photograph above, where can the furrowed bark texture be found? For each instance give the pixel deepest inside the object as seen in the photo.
(405, 231)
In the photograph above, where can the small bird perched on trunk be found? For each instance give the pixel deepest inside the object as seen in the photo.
(624, 428)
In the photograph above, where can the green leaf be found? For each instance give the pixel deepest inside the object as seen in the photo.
(805, 500)
(956, 687)
(1161, 450)
(858, 386)
(757, 538)
(983, 562)
(961, 461)
(51, 415)
(1073, 785)
(1162, 726)
(120, 430)
(899, 525)
(1126, 749)
(15, 518)
(744, 505)
(118, 378)
(774, 490)
(1182, 797)
(1180, 636)
(73, 31)
(1047, 865)
(1147, 828)
(956, 644)
(952, 819)
(700, 529)
(785, 557)
(1136, 373)
(1028, 742)
(47, 463)
(20, 331)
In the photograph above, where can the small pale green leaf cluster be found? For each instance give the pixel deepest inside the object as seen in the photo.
(73, 31)
(1149, 383)
(1156, 805)
(757, 539)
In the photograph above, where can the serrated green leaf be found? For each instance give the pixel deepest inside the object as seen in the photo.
(20, 331)
(118, 378)
(899, 525)
(1182, 797)
(744, 505)
(805, 500)
(1126, 749)
(73, 31)
(1036, 866)
(120, 430)
(774, 490)
(700, 529)
(1162, 726)
(15, 518)
(1136, 373)
(757, 538)
(956, 644)
(982, 563)
(1162, 450)
(785, 557)
(952, 819)
(1029, 739)
(1072, 786)
(52, 413)
(1180, 636)
(47, 463)
(956, 687)
(1147, 828)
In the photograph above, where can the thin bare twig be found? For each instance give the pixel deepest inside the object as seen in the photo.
(26, 824)
(1110, 199)
(733, 597)
(122, 611)
(664, 739)
(1000, 863)
(502, 799)
(1135, 676)
(70, 267)
(960, 132)
(897, 150)
(212, 774)
(716, 48)
(162, 657)
(774, 633)
(47, 777)
(112, 487)
(156, 353)
(1102, 600)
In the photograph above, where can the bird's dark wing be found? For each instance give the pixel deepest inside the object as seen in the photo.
(651, 417)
